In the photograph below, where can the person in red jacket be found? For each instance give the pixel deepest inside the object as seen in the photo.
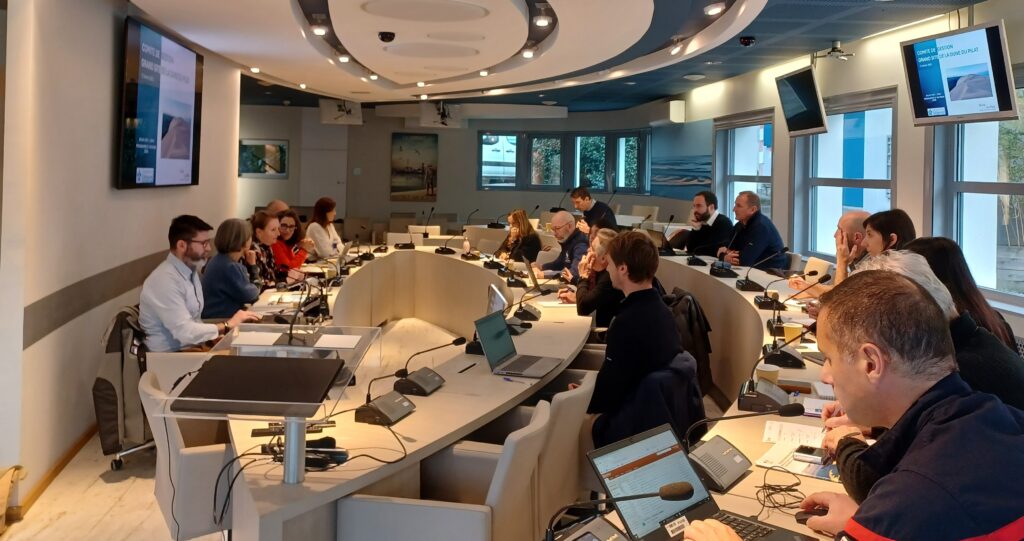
(292, 246)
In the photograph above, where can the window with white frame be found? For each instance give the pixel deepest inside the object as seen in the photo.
(744, 158)
(847, 168)
(979, 203)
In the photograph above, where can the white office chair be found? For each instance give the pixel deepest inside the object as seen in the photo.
(644, 210)
(547, 256)
(190, 452)
(558, 480)
(547, 240)
(794, 261)
(817, 264)
(535, 222)
(471, 490)
(432, 230)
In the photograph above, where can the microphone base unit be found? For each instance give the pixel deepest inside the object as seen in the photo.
(493, 265)
(775, 327)
(426, 235)
(421, 382)
(744, 284)
(667, 252)
(495, 225)
(555, 209)
(444, 250)
(470, 256)
(755, 397)
(783, 358)
(719, 271)
(385, 410)
(528, 313)
(405, 246)
(515, 282)
(695, 261)
(367, 256)
(382, 249)
(473, 347)
(768, 303)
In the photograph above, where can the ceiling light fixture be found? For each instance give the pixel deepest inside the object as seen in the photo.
(363, 79)
(344, 58)
(695, 76)
(421, 84)
(529, 51)
(675, 50)
(319, 30)
(254, 69)
(302, 86)
(712, 62)
(373, 77)
(484, 73)
(714, 8)
(542, 21)
(424, 96)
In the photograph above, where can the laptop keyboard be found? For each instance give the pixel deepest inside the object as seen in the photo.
(746, 529)
(520, 364)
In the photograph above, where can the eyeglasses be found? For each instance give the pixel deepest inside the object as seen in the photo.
(205, 243)
(286, 226)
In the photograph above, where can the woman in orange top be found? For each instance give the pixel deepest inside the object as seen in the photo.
(292, 246)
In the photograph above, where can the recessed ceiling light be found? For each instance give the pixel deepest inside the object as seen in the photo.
(254, 69)
(528, 52)
(421, 84)
(484, 73)
(549, 102)
(542, 21)
(712, 62)
(319, 30)
(695, 76)
(675, 50)
(714, 8)
(363, 79)
(302, 86)
(424, 96)
(631, 83)
(373, 77)
(344, 58)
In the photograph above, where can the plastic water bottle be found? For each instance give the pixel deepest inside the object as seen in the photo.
(465, 246)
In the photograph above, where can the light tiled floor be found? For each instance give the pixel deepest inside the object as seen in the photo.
(88, 501)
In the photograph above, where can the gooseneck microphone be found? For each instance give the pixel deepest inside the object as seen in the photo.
(427, 222)
(496, 224)
(558, 207)
(764, 302)
(445, 250)
(788, 410)
(424, 381)
(666, 247)
(746, 284)
(776, 319)
(765, 395)
(367, 256)
(672, 492)
(534, 211)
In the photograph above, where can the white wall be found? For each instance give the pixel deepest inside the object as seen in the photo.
(63, 220)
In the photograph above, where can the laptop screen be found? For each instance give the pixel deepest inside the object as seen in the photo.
(643, 464)
(495, 338)
(496, 302)
(529, 270)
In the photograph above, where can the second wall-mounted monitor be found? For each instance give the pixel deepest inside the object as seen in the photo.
(801, 102)
(960, 76)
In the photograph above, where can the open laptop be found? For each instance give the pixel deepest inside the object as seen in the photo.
(647, 461)
(533, 279)
(496, 302)
(492, 331)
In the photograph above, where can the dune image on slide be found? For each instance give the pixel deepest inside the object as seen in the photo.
(969, 82)
(176, 140)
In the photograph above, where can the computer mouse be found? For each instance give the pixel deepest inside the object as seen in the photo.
(802, 516)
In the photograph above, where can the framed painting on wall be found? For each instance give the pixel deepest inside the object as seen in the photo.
(263, 158)
(413, 167)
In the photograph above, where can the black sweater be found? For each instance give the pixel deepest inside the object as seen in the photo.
(710, 237)
(528, 246)
(597, 295)
(642, 338)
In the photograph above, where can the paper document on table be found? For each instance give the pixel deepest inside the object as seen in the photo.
(256, 338)
(338, 341)
(286, 298)
(793, 434)
(781, 456)
(556, 304)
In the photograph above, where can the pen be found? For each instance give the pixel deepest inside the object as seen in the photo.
(513, 380)
(467, 368)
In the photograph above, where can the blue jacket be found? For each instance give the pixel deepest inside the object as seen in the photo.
(758, 239)
(572, 252)
(600, 212)
(226, 287)
(951, 469)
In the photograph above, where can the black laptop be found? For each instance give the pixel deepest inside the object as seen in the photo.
(647, 461)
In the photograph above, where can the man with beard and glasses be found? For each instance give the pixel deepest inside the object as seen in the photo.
(172, 296)
(711, 230)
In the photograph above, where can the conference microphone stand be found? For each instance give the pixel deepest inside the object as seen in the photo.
(746, 284)
(757, 396)
(424, 381)
(427, 222)
(764, 302)
(672, 492)
(666, 247)
(788, 410)
(775, 322)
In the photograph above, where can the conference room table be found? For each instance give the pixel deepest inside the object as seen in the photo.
(420, 300)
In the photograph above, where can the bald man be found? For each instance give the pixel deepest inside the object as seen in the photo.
(574, 245)
(276, 207)
(849, 252)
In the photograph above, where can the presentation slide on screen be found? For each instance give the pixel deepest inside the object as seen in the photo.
(643, 467)
(166, 102)
(956, 75)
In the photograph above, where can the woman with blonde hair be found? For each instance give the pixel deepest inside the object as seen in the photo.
(522, 241)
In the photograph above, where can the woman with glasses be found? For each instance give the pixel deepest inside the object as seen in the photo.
(266, 229)
(292, 247)
(227, 285)
(321, 229)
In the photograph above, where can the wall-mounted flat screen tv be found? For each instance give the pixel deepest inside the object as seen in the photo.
(161, 101)
(801, 102)
(960, 76)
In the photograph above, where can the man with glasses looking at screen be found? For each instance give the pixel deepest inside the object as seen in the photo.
(574, 245)
(172, 296)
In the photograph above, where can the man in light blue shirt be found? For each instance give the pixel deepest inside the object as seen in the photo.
(172, 296)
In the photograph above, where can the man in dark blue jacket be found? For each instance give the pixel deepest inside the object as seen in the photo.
(573, 242)
(755, 242)
(950, 458)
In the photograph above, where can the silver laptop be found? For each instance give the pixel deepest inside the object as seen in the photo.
(533, 279)
(492, 331)
(496, 302)
(644, 463)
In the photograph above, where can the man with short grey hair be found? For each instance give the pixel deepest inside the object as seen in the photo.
(573, 242)
(276, 207)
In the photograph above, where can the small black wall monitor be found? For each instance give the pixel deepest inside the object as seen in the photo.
(960, 76)
(161, 101)
(801, 102)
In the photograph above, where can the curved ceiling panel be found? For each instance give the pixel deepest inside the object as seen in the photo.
(504, 25)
